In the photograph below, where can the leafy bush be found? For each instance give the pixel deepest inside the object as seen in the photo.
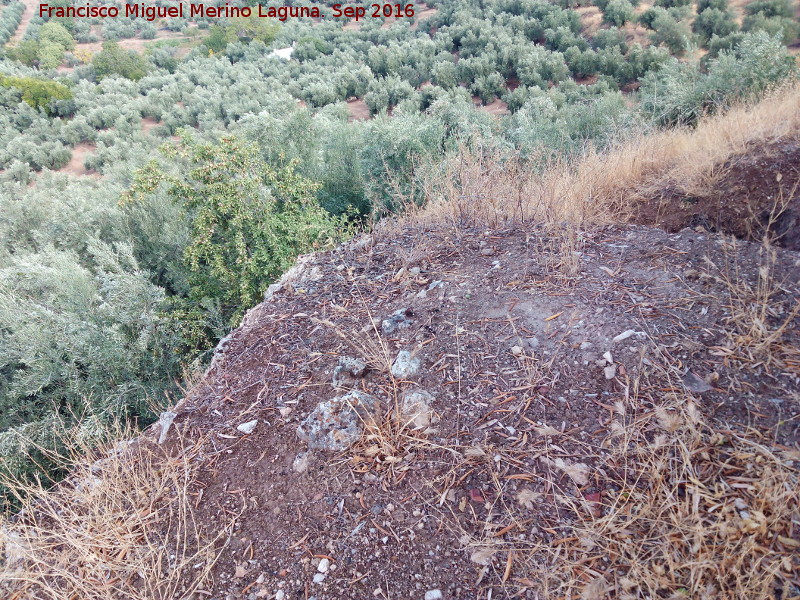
(713, 21)
(671, 33)
(114, 60)
(618, 12)
(38, 93)
(680, 93)
(249, 220)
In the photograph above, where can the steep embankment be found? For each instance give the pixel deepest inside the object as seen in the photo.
(473, 406)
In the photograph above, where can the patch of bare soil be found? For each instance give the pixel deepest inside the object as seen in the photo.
(495, 107)
(591, 19)
(148, 123)
(31, 6)
(135, 44)
(532, 373)
(358, 109)
(75, 165)
(752, 194)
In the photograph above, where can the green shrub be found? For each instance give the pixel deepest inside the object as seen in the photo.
(38, 93)
(249, 220)
(671, 33)
(618, 12)
(713, 21)
(770, 8)
(680, 93)
(114, 60)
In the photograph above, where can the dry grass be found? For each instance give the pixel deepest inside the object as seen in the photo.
(759, 317)
(690, 512)
(490, 189)
(685, 510)
(121, 527)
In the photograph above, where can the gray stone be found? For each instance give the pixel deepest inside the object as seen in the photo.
(398, 320)
(301, 462)
(416, 411)
(247, 428)
(696, 384)
(610, 371)
(165, 420)
(433, 595)
(405, 365)
(348, 371)
(336, 424)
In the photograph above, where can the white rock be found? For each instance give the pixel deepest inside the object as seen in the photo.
(623, 336)
(324, 565)
(280, 595)
(609, 358)
(516, 350)
(416, 410)
(165, 420)
(587, 345)
(301, 462)
(285, 411)
(433, 595)
(319, 577)
(610, 371)
(247, 428)
(405, 365)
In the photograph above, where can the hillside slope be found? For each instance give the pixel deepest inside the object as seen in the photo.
(463, 407)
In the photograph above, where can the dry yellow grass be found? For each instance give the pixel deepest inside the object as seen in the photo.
(602, 187)
(121, 527)
(688, 510)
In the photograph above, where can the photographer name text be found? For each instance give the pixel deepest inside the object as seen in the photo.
(206, 11)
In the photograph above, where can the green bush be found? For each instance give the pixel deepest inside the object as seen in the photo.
(114, 60)
(618, 12)
(671, 33)
(680, 93)
(249, 220)
(38, 93)
(713, 21)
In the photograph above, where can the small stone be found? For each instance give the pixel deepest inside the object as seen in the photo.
(301, 462)
(247, 428)
(165, 420)
(516, 350)
(324, 565)
(433, 595)
(610, 371)
(695, 384)
(285, 411)
(398, 320)
(532, 342)
(416, 410)
(336, 424)
(487, 252)
(280, 595)
(587, 345)
(353, 366)
(414, 271)
(319, 577)
(623, 336)
(405, 365)
(609, 358)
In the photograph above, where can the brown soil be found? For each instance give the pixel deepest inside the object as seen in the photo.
(75, 164)
(749, 193)
(495, 107)
(358, 109)
(507, 347)
(136, 44)
(31, 6)
(148, 123)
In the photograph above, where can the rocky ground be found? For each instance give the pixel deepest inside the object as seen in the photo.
(431, 413)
